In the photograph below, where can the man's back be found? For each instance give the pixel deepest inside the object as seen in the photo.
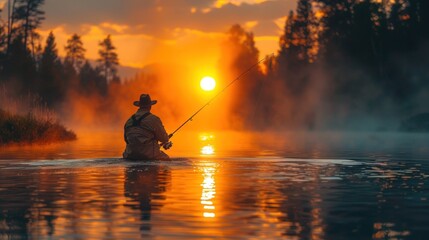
(142, 132)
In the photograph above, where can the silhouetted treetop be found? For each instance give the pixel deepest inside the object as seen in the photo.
(27, 17)
(75, 52)
(108, 59)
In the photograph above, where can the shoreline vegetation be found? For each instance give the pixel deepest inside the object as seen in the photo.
(27, 129)
(356, 65)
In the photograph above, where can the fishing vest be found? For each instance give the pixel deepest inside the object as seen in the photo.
(135, 123)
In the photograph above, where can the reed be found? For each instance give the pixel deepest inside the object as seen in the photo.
(28, 129)
(27, 120)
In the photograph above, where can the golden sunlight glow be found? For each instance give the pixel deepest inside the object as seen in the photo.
(207, 150)
(209, 190)
(221, 3)
(208, 83)
(206, 137)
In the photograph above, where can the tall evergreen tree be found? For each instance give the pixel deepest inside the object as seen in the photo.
(286, 42)
(305, 31)
(91, 81)
(20, 66)
(24, 16)
(29, 17)
(2, 34)
(10, 23)
(298, 43)
(75, 52)
(52, 88)
(108, 59)
(3, 41)
(298, 47)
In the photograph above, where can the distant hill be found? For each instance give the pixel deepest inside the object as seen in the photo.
(124, 72)
(128, 72)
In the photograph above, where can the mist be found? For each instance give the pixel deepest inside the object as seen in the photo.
(364, 73)
(360, 71)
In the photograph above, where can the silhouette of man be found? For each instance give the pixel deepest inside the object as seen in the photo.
(142, 132)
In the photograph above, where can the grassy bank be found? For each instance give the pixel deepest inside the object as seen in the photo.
(28, 130)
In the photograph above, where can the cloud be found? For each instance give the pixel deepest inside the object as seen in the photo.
(115, 27)
(142, 29)
(220, 3)
(138, 50)
(158, 18)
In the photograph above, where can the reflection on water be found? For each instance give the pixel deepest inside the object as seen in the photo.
(207, 140)
(209, 188)
(207, 150)
(374, 193)
(145, 188)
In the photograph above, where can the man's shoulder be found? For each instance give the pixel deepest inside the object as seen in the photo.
(153, 116)
(140, 113)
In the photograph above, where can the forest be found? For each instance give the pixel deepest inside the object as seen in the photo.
(340, 64)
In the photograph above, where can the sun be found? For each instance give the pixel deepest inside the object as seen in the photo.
(208, 83)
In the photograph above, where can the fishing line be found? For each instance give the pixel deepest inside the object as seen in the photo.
(219, 93)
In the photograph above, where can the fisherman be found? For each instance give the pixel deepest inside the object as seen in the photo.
(142, 132)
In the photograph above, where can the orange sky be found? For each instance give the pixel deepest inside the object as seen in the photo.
(150, 31)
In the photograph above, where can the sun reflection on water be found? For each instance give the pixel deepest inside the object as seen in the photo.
(209, 190)
(207, 149)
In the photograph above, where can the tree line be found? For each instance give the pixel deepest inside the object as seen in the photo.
(340, 64)
(32, 67)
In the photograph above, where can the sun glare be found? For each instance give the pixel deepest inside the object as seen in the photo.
(207, 150)
(208, 83)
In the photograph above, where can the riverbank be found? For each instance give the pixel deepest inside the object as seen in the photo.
(17, 129)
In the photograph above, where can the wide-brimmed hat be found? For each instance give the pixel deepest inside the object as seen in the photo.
(145, 101)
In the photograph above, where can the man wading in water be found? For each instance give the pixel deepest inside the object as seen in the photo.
(143, 131)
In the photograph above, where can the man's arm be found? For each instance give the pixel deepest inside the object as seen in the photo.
(160, 133)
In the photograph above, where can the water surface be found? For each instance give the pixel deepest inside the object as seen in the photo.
(220, 185)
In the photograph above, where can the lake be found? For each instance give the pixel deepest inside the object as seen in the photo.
(220, 185)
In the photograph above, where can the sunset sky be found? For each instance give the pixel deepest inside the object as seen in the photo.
(151, 31)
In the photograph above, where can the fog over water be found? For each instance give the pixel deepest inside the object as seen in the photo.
(324, 139)
(303, 185)
(356, 145)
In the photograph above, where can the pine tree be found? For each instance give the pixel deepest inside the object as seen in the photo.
(3, 41)
(91, 81)
(108, 59)
(28, 16)
(3, 36)
(336, 23)
(286, 40)
(20, 65)
(298, 48)
(24, 17)
(85, 77)
(75, 52)
(10, 24)
(52, 86)
(305, 31)
(298, 43)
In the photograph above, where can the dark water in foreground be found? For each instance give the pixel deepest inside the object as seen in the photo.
(325, 186)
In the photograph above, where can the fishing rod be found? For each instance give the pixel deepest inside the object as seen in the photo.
(219, 93)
